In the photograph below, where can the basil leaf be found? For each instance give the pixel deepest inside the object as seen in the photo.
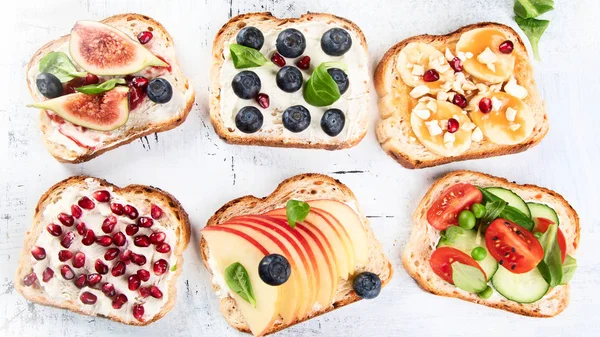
(59, 65)
(551, 266)
(238, 280)
(94, 89)
(468, 278)
(509, 212)
(493, 210)
(450, 234)
(246, 57)
(568, 269)
(296, 210)
(532, 8)
(321, 89)
(534, 29)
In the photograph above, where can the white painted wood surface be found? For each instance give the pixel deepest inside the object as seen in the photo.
(204, 173)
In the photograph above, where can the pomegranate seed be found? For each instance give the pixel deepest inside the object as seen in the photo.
(144, 291)
(109, 224)
(66, 272)
(118, 269)
(48, 274)
(86, 203)
(140, 82)
(125, 255)
(160, 267)
(157, 237)
(138, 312)
(303, 63)
(102, 196)
(453, 125)
(485, 105)
(66, 219)
(506, 47)
(104, 240)
(91, 79)
(64, 255)
(155, 292)
(29, 279)
(278, 59)
(141, 241)
(111, 254)
(456, 64)
(88, 298)
(145, 222)
(88, 238)
(38, 253)
(131, 212)
(431, 75)
(118, 302)
(144, 37)
(67, 240)
(163, 248)
(156, 212)
(460, 100)
(131, 230)
(138, 259)
(81, 281)
(117, 209)
(134, 282)
(263, 100)
(100, 267)
(81, 228)
(143, 274)
(108, 289)
(54, 229)
(136, 95)
(76, 211)
(79, 260)
(93, 279)
(119, 239)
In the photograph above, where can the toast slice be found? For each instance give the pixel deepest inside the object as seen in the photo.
(394, 131)
(354, 103)
(173, 221)
(305, 187)
(146, 119)
(424, 238)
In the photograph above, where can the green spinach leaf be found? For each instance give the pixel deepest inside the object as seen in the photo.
(246, 57)
(468, 278)
(450, 234)
(321, 89)
(551, 266)
(534, 29)
(532, 8)
(59, 65)
(238, 280)
(568, 269)
(94, 89)
(296, 210)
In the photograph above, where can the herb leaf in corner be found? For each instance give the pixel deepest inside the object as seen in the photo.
(94, 89)
(450, 234)
(238, 280)
(246, 57)
(534, 29)
(296, 210)
(468, 278)
(493, 209)
(321, 89)
(551, 266)
(59, 65)
(568, 269)
(532, 8)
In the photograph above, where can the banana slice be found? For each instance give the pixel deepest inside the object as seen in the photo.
(510, 121)
(482, 58)
(416, 58)
(429, 121)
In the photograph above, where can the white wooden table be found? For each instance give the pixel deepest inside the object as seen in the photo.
(203, 172)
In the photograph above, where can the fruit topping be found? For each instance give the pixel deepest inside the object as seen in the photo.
(137, 91)
(64, 255)
(289, 79)
(93, 279)
(76, 211)
(119, 239)
(38, 253)
(49, 85)
(340, 78)
(250, 37)
(160, 267)
(79, 260)
(81, 281)
(100, 267)
(117, 208)
(88, 298)
(157, 237)
(278, 59)
(125, 256)
(111, 254)
(66, 219)
(141, 241)
(431, 75)
(119, 300)
(88, 237)
(91, 79)
(336, 42)
(118, 269)
(145, 37)
(249, 119)
(163, 248)
(138, 312)
(138, 259)
(456, 64)
(108, 289)
(460, 100)
(134, 282)
(155, 292)
(367, 285)
(296, 118)
(333, 121)
(81, 228)
(263, 100)
(159, 90)
(144, 291)
(156, 212)
(54, 229)
(29, 279)
(303, 63)
(246, 84)
(131, 230)
(131, 212)
(274, 269)
(104, 240)
(67, 240)
(145, 222)
(66, 272)
(47, 274)
(506, 47)
(290, 43)
(143, 274)
(102, 196)
(485, 105)
(86, 203)
(109, 224)
(453, 125)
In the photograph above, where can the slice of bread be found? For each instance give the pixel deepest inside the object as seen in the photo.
(394, 131)
(424, 239)
(174, 222)
(306, 187)
(354, 103)
(146, 119)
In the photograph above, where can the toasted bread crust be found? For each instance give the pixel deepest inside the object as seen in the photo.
(246, 204)
(153, 193)
(418, 250)
(386, 82)
(233, 25)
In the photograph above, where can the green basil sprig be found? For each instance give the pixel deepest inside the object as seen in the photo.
(468, 278)
(493, 209)
(526, 13)
(59, 65)
(296, 210)
(94, 89)
(246, 57)
(321, 89)
(509, 212)
(568, 269)
(238, 280)
(450, 234)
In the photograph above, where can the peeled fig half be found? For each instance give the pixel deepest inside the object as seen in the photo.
(102, 112)
(104, 50)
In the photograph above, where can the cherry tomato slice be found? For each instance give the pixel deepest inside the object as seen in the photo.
(542, 226)
(514, 247)
(444, 211)
(442, 258)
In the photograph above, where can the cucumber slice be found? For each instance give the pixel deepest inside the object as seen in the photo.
(465, 242)
(511, 198)
(543, 211)
(523, 288)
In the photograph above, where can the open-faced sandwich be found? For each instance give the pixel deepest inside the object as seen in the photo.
(469, 94)
(486, 240)
(101, 250)
(106, 84)
(304, 250)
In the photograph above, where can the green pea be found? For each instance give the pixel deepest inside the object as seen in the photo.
(478, 209)
(478, 253)
(466, 219)
(487, 293)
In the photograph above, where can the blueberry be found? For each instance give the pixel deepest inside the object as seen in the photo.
(290, 43)
(367, 285)
(274, 269)
(336, 42)
(159, 90)
(250, 37)
(296, 118)
(289, 79)
(332, 122)
(340, 77)
(49, 85)
(249, 119)
(246, 84)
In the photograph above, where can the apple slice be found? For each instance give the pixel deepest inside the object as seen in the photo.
(249, 253)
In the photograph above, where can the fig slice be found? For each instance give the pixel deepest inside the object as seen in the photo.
(104, 50)
(102, 112)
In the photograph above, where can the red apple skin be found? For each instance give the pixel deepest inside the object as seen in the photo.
(238, 233)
